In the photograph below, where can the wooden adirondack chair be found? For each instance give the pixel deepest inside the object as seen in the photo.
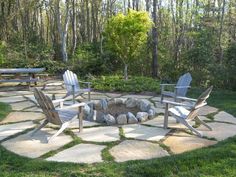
(180, 89)
(183, 115)
(73, 87)
(61, 116)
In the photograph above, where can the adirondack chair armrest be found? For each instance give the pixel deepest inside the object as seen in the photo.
(58, 101)
(167, 84)
(72, 106)
(88, 84)
(186, 98)
(176, 103)
(177, 87)
(164, 85)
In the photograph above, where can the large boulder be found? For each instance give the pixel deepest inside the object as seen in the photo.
(142, 116)
(144, 105)
(131, 118)
(131, 103)
(109, 119)
(121, 119)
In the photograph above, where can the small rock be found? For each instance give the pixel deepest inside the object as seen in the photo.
(99, 117)
(121, 119)
(86, 110)
(120, 100)
(91, 105)
(142, 116)
(131, 118)
(109, 119)
(111, 102)
(104, 104)
(151, 114)
(90, 117)
(131, 102)
(144, 105)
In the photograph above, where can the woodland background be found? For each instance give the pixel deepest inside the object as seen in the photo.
(196, 36)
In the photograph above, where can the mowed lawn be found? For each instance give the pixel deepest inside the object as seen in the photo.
(217, 160)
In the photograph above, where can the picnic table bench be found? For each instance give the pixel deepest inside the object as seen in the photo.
(27, 75)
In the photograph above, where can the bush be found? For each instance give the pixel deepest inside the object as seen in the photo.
(134, 84)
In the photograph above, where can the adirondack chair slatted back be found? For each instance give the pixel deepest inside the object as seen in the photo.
(201, 101)
(71, 79)
(47, 106)
(184, 80)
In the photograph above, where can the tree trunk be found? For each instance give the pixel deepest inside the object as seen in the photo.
(126, 72)
(154, 36)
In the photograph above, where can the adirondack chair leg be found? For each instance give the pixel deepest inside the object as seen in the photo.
(166, 116)
(162, 97)
(81, 115)
(63, 127)
(202, 122)
(41, 126)
(73, 90)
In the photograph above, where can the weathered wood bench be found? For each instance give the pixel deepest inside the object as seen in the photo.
(17, 72)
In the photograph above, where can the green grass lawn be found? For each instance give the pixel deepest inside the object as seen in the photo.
(217, 160)
(4, 110)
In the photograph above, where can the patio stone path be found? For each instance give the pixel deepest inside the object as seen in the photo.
(81, 153)
(11, 129)
(126, 142)
(99, 134)
(181, 142)
(23, 116)
(37, 145)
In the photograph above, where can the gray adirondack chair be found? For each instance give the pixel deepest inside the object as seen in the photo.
(180, 89)
(73, 85)
(62, 116)
(182, 114)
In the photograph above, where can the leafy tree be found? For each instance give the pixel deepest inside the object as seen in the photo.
(126, 34)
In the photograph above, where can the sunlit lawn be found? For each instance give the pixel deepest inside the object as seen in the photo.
(217, 160)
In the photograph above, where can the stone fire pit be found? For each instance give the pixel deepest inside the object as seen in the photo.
(119, 111)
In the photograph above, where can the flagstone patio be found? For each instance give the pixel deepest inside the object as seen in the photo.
(123, 143)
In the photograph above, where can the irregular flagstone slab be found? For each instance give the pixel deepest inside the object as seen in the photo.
(113, 95)
(181, 142)
(137, 96)
(220, 131)
(159, 110)
(159, 122)
(99, 134)
(33, 109)
(136, 150)
(22, 116)
(81, 153)
(75, 124)
(205, 118)
(144, 132)
(159, 105)
(14, 93)
(12, 99)
(97, 97)
(11, 129)
(155, 99)
(21, 105)
(37, 145)
(225, 117)
(32, 98)
(207, 110)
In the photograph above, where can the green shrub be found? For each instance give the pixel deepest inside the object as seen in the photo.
(133, 84)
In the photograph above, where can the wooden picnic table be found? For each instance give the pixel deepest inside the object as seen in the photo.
(17, 72)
